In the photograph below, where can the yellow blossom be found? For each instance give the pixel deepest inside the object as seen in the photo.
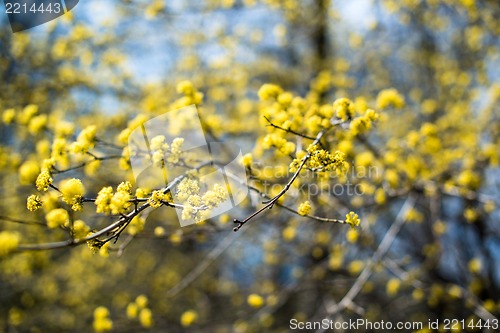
(304, 208)
(57, 218)
(136, 225)
(102, 323)
(159, 231)
(156, 199)
(215, 197)
(28, 112)
(470, 215)
(103, 200)
(344, 108)
(28, 172)
(8, 116)
(37, 124)
(255, 301)
(186, 88)
(380, 196)
(390, 97)
(80, 229)
(475, 265)
(268, 91)
(9, 240)
(188, 318)
(247, 160)
(120, 202)
(289, 233)
(392, 286)
(352, 235)
(72, 192)
(85, 140)
(352, 219)
(34, 202)
(141, 301)
(146, 318)
(43, 181)
(132, 310)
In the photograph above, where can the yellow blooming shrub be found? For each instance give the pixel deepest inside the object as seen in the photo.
(370, 146)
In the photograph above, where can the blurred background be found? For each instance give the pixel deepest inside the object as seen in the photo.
(430, 67)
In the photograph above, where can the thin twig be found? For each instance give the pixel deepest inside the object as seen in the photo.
(270, 203)
(289, 130)
(14, 220)
(119, 223)
(290, 209)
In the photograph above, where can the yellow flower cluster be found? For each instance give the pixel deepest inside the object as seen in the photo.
(104, 199)
(132, 124)
(60, 151)
(196, 206)
(213, 198)
(469, 179)
(57, 218)
(160, 149)
(157, 198)
(186, 188)
(268, 91)
(154, 8)
(117, 203)
(37, 124)
(33, 202)
(390, 97)
(102, 322)
(304, 208)
(136, 225)
(321, 160)
(360, 125)
(139, 309)
(44, 180)
(28, 112)
(352, 219)
(85, 140)
(9, 240)
(275, 140)
(120, 201)
(80, 229)
(344, 108)
(28, 172)
(188, 212)
(191, 95)
(72, 192)
(247, 160)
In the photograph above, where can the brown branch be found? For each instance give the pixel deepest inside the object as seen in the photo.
(289, 130)
(270, 203)
(14, 220)
(118, 224)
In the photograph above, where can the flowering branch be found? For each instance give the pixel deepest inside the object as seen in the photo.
(270, 203)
